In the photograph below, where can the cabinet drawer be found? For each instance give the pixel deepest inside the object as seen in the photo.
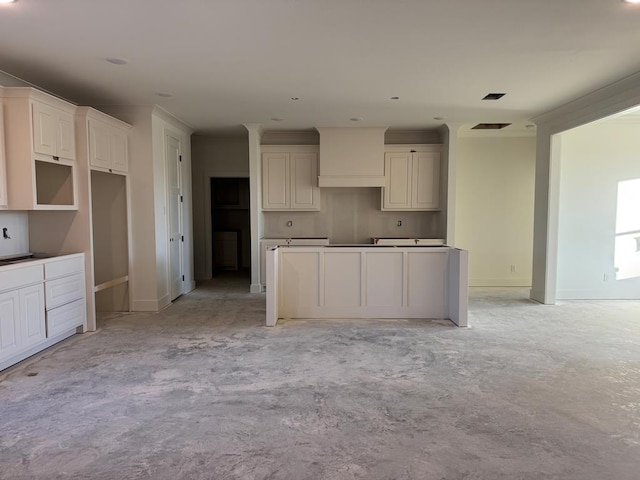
(62, 319)
(65, 266)
(20, 277)
(64, 290)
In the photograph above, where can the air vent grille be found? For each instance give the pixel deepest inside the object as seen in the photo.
(493, 96)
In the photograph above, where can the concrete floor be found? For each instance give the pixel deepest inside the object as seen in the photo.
(203, 391)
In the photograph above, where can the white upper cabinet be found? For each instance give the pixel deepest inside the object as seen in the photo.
(290, 178)
(40, 148)
(412, 178)
(107, 141)
(53, 131)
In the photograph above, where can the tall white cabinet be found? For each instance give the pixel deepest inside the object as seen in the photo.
(104, 146)
(412, 177)
(290, 178)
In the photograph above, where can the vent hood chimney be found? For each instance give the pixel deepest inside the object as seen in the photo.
(351, 156)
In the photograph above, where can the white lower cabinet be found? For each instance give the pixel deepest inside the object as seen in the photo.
(32, 314)
(9, 324)
(22, 322)
(61, 319)
(41, 303)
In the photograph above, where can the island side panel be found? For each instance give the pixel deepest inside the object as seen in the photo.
(458, 301)
(273, 292)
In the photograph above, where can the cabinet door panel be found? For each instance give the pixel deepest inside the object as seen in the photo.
(119, 151)
(66, 142)
(426, 180)
(275, 181)
(99, 145)
(397, 192)
(305, 193)
(9, 324)
(32, 314)
(44, 129)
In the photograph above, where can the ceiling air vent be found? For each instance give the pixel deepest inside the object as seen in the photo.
(493, 96)
(490, 126)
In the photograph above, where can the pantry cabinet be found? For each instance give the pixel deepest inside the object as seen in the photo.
(290, 178)
(412, 178)
(40, 151)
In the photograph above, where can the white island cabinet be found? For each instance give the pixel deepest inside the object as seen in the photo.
(42, 302)
(364, 281)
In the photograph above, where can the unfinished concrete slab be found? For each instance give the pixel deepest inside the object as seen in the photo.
(202, 390)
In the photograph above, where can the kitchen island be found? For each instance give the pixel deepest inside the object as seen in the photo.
(367, 281)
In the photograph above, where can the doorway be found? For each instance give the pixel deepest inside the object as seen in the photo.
(230, 229)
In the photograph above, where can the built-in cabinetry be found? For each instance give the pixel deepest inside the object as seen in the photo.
(412, 177)
(41, 303)
(103, 145)
(3, 168)
(64, 284)
(290, 178)
(108, 150)
(40, 150)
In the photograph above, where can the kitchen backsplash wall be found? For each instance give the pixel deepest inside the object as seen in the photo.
(351, 215)
(17, 225)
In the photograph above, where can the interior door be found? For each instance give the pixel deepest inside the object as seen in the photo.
(174, 187)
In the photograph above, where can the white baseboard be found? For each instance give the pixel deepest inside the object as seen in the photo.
(500, 282)
(593, 295)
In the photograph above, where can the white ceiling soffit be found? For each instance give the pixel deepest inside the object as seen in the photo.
(229, 62)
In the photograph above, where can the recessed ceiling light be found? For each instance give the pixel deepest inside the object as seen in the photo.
(356, 119)
(295, 98)
(395, 98)
(164, 94)
(493, 96)
(117, 61)
(439, 118)
(277, 119)
(631, 1)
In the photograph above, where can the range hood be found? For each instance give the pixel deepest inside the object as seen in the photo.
(351, 156)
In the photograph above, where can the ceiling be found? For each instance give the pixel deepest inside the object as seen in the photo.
(230, 62)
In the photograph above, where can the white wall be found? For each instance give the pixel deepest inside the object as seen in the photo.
(212, 157)
(494, 208)
(351, 215)
(595, 159)
(17, 224)
(147, 175)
